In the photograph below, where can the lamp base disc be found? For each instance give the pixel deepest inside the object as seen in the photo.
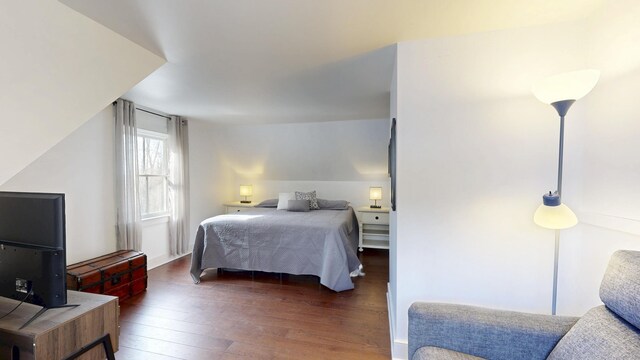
(376, 206)
(245, 201)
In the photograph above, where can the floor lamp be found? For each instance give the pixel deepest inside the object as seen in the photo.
(560, 91)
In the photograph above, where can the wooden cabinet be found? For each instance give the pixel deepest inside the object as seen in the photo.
(237, 207)
(374, 228)
(57, 333)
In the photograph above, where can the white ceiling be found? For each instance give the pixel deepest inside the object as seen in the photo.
(248, 61)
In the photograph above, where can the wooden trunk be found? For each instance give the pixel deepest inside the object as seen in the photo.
(122, 274)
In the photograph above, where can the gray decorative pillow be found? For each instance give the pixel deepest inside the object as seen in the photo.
(269, 203)
(333, 204)
(311, 196)
(298, 205)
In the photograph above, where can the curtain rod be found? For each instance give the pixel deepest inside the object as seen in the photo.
(152, 113)
(148, 112)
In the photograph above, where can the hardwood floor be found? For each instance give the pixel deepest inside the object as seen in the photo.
(231, 316)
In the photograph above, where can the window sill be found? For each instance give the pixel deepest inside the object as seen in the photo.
(160, 219)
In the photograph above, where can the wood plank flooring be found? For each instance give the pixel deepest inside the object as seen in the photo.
(232, 316)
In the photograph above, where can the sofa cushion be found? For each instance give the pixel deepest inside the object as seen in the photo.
(599, 334)
(487, 333)
(620, 288)
(436, 353)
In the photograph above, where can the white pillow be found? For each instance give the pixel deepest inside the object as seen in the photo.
(283, 200)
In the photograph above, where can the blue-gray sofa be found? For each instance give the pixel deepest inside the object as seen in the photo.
(610, 331)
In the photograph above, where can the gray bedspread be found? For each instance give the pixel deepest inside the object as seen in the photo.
(319, 242)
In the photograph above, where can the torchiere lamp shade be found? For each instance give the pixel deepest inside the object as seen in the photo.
(553, 214)
(555, 217)
(566, 86)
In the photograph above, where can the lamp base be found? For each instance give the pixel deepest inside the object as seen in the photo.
(245, 201)
(376, 206)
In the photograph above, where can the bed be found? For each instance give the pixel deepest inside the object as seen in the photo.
(319, 242)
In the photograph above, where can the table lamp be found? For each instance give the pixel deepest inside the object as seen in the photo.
(375, 194)
(246, 190)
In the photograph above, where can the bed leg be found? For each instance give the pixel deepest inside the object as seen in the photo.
(280, 278)
(252, 275)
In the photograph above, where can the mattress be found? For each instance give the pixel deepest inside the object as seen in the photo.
(319, 242)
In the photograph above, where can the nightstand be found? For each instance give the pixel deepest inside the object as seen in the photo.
(237, 207)
(374, 228)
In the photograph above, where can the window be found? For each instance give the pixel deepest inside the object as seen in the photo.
(152, 173)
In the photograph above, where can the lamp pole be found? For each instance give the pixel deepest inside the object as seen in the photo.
(555, 274)
(553, 214)
(561, 107)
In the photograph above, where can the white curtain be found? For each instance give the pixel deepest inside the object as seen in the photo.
(128, 225)
(178, 185)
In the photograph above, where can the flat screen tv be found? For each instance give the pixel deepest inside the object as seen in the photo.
(32, 248)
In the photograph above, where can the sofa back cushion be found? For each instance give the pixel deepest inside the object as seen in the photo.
(599, 334)
(620, 288)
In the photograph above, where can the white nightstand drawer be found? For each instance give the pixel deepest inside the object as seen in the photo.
(237, 207)
(375, 218)
(234, 209)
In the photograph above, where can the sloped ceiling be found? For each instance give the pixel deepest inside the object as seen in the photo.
(59, 68)
(239, 61)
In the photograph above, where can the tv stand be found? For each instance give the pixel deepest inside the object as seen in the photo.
(42, 311)
(86, 331)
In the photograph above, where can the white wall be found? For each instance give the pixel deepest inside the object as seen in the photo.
(339, 159)
(481, 150)
(393, 231)
(471, 135)
(612, 130)
(155, 241)
(609, 213)
(356, 192)
(210, 179)
(81, 166)
(59, 68)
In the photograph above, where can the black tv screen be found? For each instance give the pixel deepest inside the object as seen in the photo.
(32, 248)
(32, 219)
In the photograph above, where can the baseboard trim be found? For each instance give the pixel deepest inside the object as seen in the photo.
(399, 347)
(392, 323)
(400, 350)
(163, 259)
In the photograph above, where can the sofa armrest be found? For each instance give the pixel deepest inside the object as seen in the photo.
(491, 334)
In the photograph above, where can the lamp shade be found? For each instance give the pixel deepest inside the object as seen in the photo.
(566, 86)
(555, 217)
(246, 190)
(375, 193)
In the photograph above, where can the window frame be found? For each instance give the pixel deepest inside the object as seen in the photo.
(143, 133)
